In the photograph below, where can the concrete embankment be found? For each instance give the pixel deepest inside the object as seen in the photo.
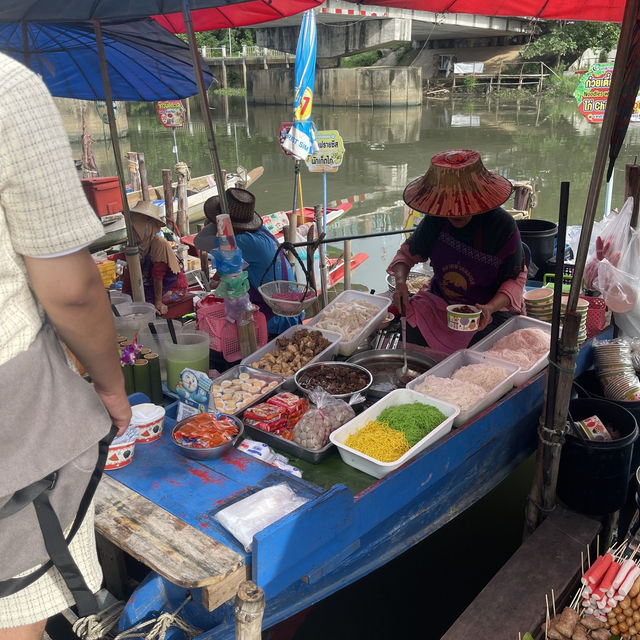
(360, 87)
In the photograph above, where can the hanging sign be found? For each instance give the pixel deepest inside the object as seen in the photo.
(592, 93)
(101, 108)
(171, 113)
(330, 152)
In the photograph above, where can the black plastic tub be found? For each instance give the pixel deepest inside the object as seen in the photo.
(540, 237)
(593, 477)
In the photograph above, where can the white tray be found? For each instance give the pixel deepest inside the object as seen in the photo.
(397, 397)
(460, 359)
(511, 325)
(346, 348)
(326, 354)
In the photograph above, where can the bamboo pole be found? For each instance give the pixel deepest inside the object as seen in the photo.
(347, 264)
(310, 266)
(249, 609)
(167, 189)
(144, 182)
(204, 258)
(632, 188)
(182, 216)
(317, 216)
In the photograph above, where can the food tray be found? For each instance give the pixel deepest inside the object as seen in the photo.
(400, 396)
(460, 359)
(326, 354)
(289, 446)
(511, 325)
(234, 372)
(346, 348)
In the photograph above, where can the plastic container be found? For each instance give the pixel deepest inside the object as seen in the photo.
(157, 342)
(288, 446)
(540, 237)
(593, 476)
(103, 194)
(463, 321)
(326, 354)
(347, 347)
(400, 396)
(133, 316)
(149, 420)
(463, 358)
(117, 297)
(511, 325)
(191, 351)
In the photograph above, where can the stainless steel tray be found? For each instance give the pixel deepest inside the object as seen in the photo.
(383, 363)
(288, 446)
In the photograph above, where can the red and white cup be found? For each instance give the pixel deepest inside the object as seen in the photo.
(148, 418)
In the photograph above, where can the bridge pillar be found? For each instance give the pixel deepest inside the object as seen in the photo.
(340, 40)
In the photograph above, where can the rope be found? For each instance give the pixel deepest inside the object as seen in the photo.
(551, 437)
(98, 625)
(160, 625)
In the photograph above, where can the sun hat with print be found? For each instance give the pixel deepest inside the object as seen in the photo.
(457, 184)
(242, 212)
(147, 209)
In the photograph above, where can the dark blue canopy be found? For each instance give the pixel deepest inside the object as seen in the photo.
(145, 62)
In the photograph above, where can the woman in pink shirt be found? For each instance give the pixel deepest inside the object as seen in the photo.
(473, 246)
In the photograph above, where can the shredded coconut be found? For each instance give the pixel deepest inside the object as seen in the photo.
(462, 394)
(347, 318)
(488, 376)
(524, 347)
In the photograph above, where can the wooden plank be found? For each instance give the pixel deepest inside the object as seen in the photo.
(171, 547)
(218, 594)
(514, 600)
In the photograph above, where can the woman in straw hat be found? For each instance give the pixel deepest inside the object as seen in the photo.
(162, 275)
(258, 247)
(473, 245)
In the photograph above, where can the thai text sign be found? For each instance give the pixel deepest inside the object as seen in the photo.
(593, 91)
(171, 113)
(330, 152)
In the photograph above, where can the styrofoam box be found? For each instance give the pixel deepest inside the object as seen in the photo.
(462, 358)
(397, 397)
(511, 325)
(326, 354)
(346, 348)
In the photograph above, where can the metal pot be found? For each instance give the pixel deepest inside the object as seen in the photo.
(384, 364)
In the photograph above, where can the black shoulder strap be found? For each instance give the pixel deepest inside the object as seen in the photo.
(56, 545)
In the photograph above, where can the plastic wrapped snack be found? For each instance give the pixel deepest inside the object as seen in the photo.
(326, 415)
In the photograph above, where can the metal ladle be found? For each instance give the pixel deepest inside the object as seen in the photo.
(404, 374)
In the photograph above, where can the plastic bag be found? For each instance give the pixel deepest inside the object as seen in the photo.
(313, 429)
(618, 288)
(252, 514)
(611, 240)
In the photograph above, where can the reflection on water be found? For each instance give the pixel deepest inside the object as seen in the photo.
(385, 148)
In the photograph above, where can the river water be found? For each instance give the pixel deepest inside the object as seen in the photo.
(545, 139)
(421, 593)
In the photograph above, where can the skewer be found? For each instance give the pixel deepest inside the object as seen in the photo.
(588, 558)
(597, 545)
(553, 602)
(582, 562)
(546, 626)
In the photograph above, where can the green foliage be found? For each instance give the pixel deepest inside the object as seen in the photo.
(220, 38)
(561, 85)
(230, 91)
(365, 59)
(470, 82)
(563, 41)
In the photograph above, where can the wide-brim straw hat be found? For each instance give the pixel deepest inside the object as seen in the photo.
(457, 184)
(145, 208)
(242, 213)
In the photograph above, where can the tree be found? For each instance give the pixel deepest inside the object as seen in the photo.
(562, 41)
(220, 38)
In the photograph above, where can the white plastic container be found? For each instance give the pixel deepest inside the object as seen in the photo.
(326, 354)
(462, 358)
(400, 396)
(347, 347)
(511, 325)
(133, 316)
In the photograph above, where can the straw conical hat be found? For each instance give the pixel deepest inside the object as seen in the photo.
(457, 184)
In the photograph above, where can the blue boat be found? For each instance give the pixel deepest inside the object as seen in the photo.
(351, 525)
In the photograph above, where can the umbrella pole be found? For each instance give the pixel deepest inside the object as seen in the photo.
(544, 481)
(132, 251)
(204, 104)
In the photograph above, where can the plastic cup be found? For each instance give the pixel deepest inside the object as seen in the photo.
(191, 351)
(133, 316)
(157, 342)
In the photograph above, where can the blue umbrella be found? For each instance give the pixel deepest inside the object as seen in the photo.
(301, 138)
(144, 61)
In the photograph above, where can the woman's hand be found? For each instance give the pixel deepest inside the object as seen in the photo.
(486, 317)
(401, 297)
(161, 308)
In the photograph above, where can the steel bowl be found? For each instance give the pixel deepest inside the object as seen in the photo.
(383, 365)
(211, 452)
(348, 365)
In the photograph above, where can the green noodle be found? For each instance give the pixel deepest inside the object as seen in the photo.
(415, 420)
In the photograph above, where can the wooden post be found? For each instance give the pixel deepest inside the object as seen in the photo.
(499, 76)
(347, 264)
(632, 188)
(310, 266)
(182, 216)
(167, 190)
(317, 216)
(223, 173)
(244, 74)
(204, 258)
(144, 183)
(134, 176)
(249, 609)
(224, 75)
(521, 72)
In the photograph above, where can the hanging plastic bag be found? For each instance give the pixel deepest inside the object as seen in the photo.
(628, 322)
(619, 288)
(611, 240)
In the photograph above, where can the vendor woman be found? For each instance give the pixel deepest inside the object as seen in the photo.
(473, 245)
